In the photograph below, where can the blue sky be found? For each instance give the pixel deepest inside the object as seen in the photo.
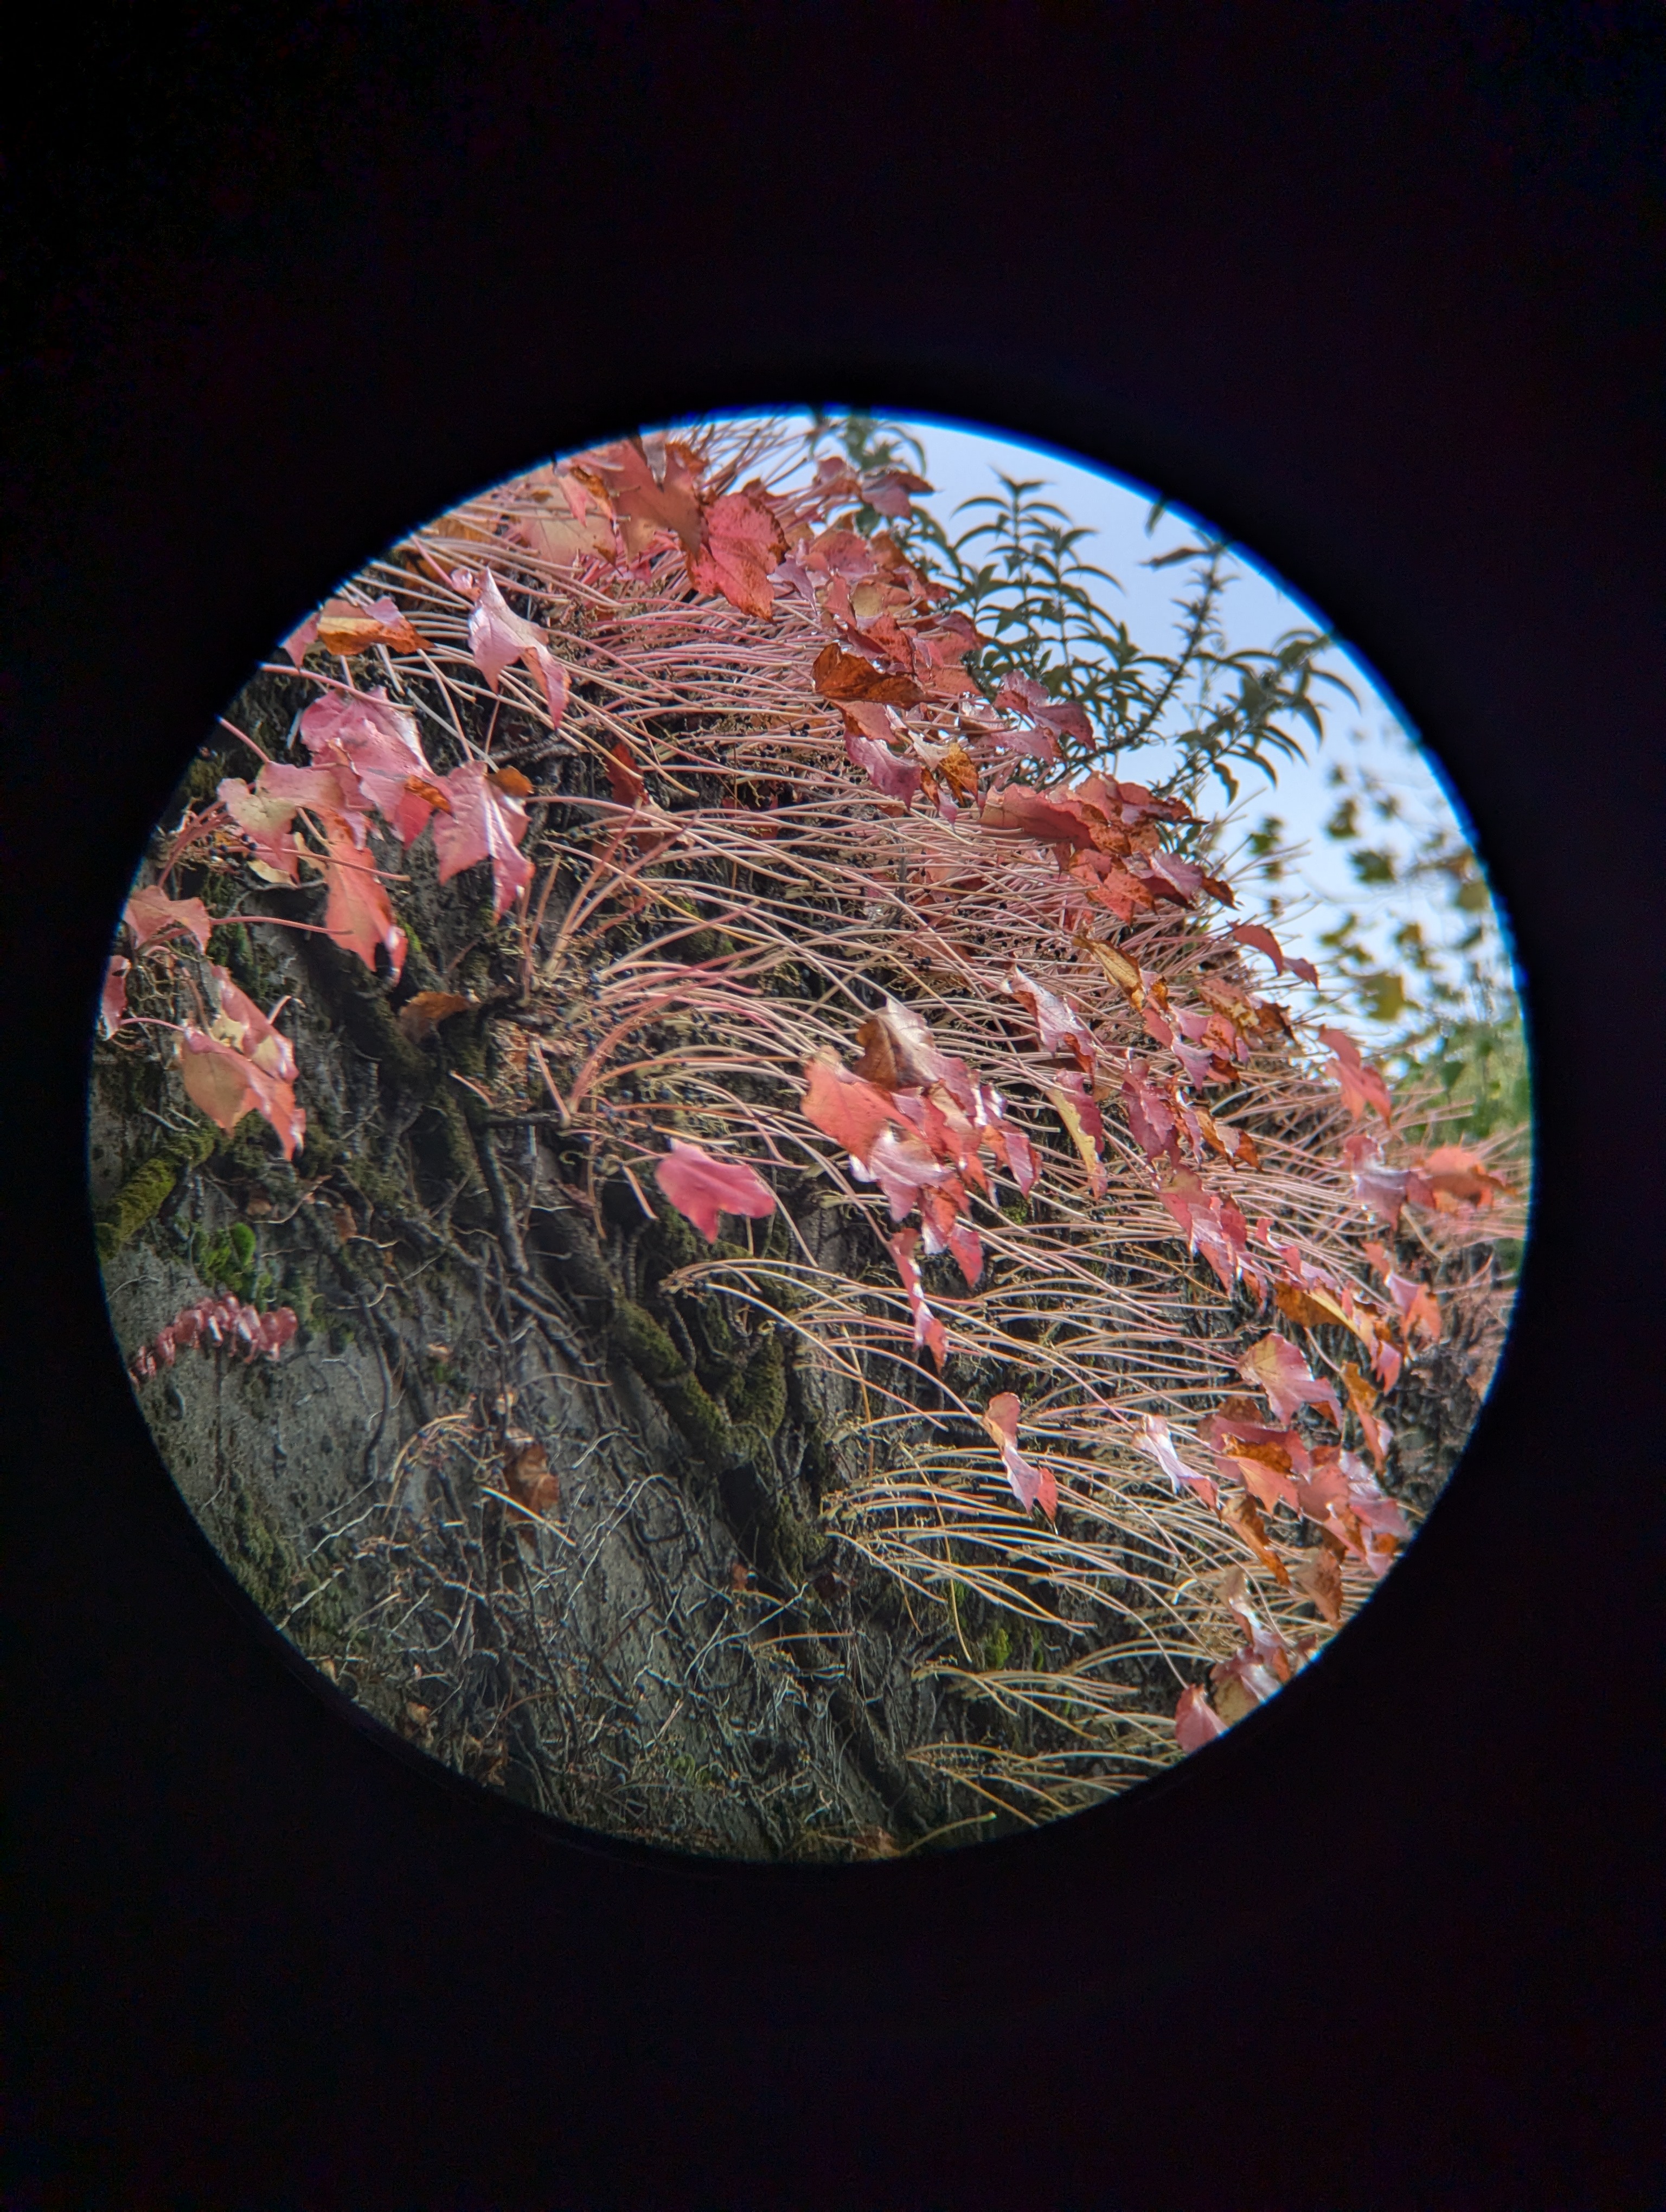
(1372, 738)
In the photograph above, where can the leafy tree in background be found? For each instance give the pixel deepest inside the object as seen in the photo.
(1448, 1023)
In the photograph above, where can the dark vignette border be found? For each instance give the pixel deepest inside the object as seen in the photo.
(1381, 295)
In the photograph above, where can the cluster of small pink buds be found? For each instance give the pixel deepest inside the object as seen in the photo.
(224, 1320)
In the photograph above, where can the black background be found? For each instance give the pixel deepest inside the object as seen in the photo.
(1380, 289)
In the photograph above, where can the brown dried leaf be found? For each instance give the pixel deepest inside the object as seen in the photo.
(1245, 1515)
(1319, 1577)
(418, 1016)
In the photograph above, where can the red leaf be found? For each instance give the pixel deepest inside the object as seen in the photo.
(1022, 695)
(1195, 1721)
(1361, 1086)
(887, 490)
(1416, 1304)
(845, 1108)
(1242, 1512)
(1261, 940)
(1006, 1140)
(651, 490)
(485, 823)
(112, 999)
(1380, 1190)
(1277, 1369)
(1032, 1485)
(1183, 878)
(303, 635)
(902, 1164)
(1154, 1439)
(622, 780)
(1363, 1399)
(1084, 1126)
(741, 543)
(1450, 1176)
(927, 1329)
(1213, 1226)
(151, 912)
(497, 635)
(1050, 818)
(700, 1188)
(1150, 1120)
(358, 916)
(840, 675)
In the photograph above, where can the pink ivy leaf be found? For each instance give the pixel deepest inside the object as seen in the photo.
(1059, 1028)
(243, 1026)
(226, 1085)
(1051, 818)
(376, 742)
(1212, 1225)
(892, 775)
(1278, 1370)
(1361, 1086)
(265, 813)
(900, 1052)
(903, 1165)
(1380, 1190)
(927, 1329)
(486, 823)
(1032, 1485)
(1183, 878)
(1195, 1721)
(497, 635)
(303, 635)
(113, 999)
(358, 916)
(1154, 1439)
(700, 1188)
(151, 913)
(1006, 1140)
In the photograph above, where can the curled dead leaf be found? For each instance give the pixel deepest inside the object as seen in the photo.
(423, 1014)
(529, 1480)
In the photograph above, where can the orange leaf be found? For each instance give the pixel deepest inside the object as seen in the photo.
(839, 675)
(418, 1016)
(529, 1480)
(345, 628)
